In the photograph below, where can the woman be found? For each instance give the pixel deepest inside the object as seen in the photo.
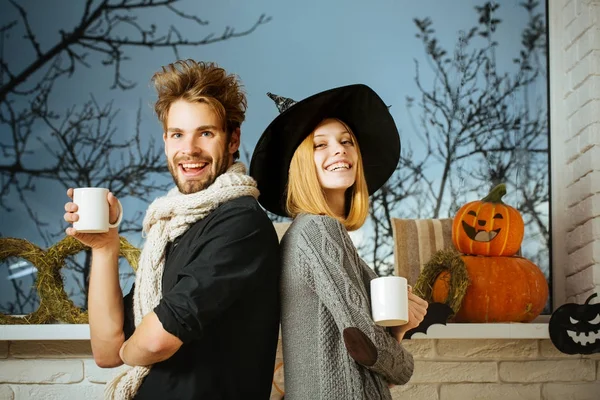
(318, 162)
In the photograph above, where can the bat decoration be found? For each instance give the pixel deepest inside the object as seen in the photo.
(437, 313)
(575, 328)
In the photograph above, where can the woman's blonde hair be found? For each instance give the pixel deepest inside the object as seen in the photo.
(305, 194)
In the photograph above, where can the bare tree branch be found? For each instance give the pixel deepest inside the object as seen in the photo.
(479, 127)
(82, 145)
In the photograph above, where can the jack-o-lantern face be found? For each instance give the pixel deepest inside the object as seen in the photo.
(575, 328)
(477, 228)
(488, 227)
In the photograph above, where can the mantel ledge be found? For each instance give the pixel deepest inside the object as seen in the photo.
(486, 331)
(450, 331)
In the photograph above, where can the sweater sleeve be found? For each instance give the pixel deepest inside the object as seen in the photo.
(329, 264)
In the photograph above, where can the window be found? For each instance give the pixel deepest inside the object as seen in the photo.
(466, 82)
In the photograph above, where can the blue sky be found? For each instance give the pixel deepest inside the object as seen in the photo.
(307, 47)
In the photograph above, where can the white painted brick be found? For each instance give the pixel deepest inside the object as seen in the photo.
(433, 371)
(582, 116)
(415, 392)
(578, 95)
(547, 371)
(95, 374)
(584, 163)
(583, 211)
(584, 22)
(583, 281)
(568, 60)
(51, 349)
(490, 391)
(6, 393)
(583, 258)
(581, 297)
(487, 349)
(582, 188)
(585, 44)
(580, 6)
(88, 391)
(583, 80)
(575, 31)
(588, 95)
(571, 391)
(568, 15)
(585, 133)
(563, 4)
(3, 349)
(548, 350)
(41, 371)
(420, 348)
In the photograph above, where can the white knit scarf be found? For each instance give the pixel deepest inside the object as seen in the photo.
(167, 218)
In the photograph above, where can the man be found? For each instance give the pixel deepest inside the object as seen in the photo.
(202, 319)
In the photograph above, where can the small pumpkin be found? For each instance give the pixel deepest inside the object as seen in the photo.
(488, 227)
(501, 289)
(575, 328)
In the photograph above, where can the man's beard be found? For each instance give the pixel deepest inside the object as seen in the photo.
(194, 186)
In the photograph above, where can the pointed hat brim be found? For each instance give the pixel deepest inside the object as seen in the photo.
(358, 106)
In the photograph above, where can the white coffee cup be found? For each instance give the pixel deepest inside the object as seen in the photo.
(92, 208)
(389, 300)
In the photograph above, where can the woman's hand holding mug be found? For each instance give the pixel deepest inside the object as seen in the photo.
(417, 308)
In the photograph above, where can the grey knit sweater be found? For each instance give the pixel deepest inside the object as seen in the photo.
(325, 290)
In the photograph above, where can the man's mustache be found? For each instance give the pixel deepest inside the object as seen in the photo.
(192, 160)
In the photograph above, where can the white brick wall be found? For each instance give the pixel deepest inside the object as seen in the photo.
(561, 391)
(50, 370)
(575, 140)
(444, 370)
(490, 392)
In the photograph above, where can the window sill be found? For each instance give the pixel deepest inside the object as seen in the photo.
(45, 332)
(486, 331)
(449, 331)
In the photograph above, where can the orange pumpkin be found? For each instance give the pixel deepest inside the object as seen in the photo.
(502, 289)
(488, 227)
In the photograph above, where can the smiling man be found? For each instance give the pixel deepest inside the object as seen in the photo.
(202, 319)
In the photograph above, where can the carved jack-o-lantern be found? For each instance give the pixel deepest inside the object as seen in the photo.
(488, 227)
(575, 328)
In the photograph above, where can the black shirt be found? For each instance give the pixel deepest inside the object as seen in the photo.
(220, 297)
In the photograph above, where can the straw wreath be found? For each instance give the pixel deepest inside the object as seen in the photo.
(444, 260)
(55, 304)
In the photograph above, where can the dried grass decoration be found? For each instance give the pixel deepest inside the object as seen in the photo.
(55, 305)
(451, 270)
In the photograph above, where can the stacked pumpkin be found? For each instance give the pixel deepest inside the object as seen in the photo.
(503, 287)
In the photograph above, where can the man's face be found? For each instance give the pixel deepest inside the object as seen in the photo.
(197, 147)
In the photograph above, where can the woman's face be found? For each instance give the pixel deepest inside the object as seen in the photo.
(335, 155)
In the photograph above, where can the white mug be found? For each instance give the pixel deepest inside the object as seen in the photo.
(92, 208)
(389, 300)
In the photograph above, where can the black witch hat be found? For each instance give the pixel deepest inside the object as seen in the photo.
(358, 106)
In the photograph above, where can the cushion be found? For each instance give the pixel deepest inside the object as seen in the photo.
(415, 241)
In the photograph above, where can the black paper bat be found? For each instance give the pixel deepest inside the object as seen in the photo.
(437, 313)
